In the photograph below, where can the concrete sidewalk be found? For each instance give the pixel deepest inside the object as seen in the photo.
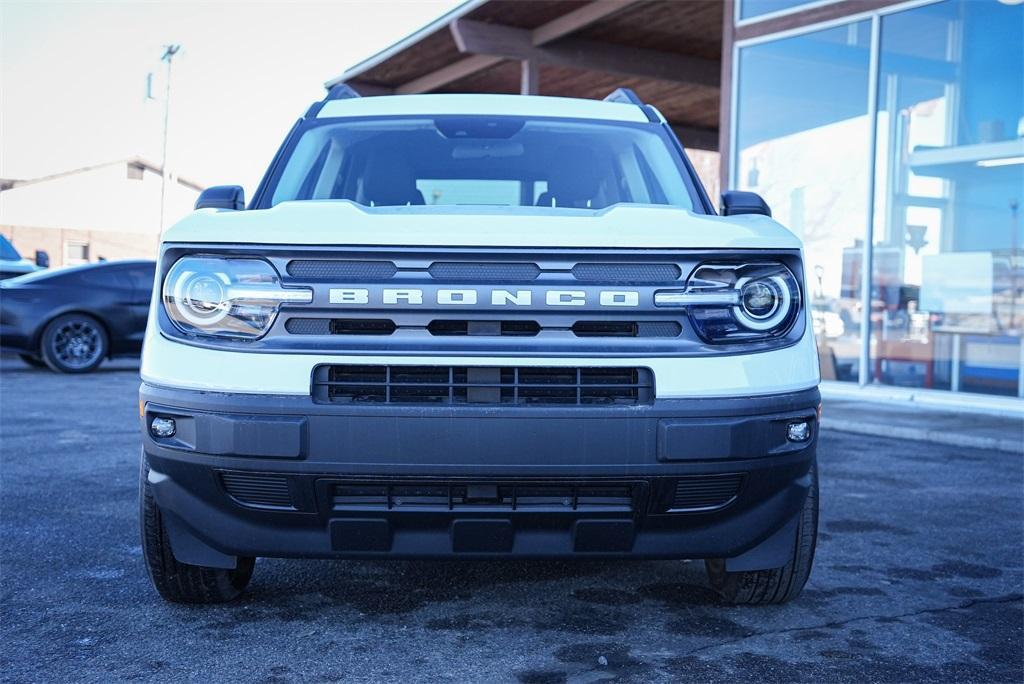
(925, 424)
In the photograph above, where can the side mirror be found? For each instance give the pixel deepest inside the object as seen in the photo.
(736, 202)
(222, 197)
(42, 259)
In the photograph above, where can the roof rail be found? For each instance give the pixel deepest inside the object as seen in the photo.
(624, 96)
(341, 91)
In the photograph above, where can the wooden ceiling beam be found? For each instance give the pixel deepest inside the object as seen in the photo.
(695, 137)
(466, 66)
(546, 34)
(578, 19)
(479, 38)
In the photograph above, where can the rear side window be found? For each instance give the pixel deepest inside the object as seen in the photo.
(105, 276)
(142, 277)
(7, 251)
(484, 161)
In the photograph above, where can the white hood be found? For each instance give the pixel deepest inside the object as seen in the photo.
(343, 223)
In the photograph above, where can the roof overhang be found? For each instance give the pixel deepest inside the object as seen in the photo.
(668, 52)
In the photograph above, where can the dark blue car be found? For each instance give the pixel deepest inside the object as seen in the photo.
(71, 319)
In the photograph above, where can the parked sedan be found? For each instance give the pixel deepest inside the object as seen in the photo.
(71, 319)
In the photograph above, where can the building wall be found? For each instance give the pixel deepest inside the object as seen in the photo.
(114, 209)
(105, 244)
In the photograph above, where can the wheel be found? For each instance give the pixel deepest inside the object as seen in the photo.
(33, 361)
(181, 582)
(74, 343)
(779, 585)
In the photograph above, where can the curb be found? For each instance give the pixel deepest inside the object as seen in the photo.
(921, 435)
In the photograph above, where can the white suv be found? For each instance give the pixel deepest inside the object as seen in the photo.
(479, 326)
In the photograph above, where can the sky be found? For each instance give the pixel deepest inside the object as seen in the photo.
(73, 78)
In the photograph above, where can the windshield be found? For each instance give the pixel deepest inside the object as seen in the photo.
(483, 161)
(7, 251)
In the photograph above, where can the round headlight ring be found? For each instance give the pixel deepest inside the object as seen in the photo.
(201, 297)
(757, 289)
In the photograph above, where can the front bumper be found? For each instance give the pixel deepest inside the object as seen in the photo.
(281, 476)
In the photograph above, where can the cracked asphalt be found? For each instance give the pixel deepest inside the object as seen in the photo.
(918, 578)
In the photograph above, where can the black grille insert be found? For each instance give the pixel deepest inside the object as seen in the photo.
(627, 273)
(571, 386)
(626, 329)
(706, 492)
(340, 326)
(456, 496)
(344, 270)
(258, 489)
(483, 271)
(447, 328)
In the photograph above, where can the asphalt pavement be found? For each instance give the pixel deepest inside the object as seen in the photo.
(918, 577)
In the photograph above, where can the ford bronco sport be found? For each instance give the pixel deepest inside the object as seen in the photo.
(479, 326)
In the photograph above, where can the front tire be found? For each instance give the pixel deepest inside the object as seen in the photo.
(74, 343)
(778, 585)
(176, 581)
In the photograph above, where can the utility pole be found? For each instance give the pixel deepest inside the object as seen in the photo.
(168, 56)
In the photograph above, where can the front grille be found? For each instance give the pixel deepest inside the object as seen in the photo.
(443, 327)
(483, 272)
(626, 273)
(454, 328)
(706, 492)
(626, 329)
(340, 326)
(570, 386)
(456, 496)
(269, 491)
(342, 270)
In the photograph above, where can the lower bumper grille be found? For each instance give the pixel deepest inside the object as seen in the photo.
(469, 385)
(524, 497)
(706, 492)
(269, 491)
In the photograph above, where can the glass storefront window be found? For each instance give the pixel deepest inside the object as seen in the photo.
(748, 9)
(947, 305)
(802, 128)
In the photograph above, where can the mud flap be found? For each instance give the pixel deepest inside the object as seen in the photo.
(187, 548)
(774, 552)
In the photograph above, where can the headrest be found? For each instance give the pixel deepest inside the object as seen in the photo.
(389, 181)
(582, 184)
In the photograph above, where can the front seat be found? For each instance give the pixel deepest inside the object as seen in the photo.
(390, 182)
(577, 189)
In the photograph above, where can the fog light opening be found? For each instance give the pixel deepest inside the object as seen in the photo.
(798, 432)
(162, 427)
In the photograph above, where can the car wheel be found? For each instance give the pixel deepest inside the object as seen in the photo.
(176, 581)
(74, 343)
(33, 361)
(778, 585)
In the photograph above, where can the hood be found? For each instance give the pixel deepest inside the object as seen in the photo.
(343, 223)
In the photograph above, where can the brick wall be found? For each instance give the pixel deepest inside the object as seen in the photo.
(102, 243)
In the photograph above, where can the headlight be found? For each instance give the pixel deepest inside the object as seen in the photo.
(236, 298)
(730, 302)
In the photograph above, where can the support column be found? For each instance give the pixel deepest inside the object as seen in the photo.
(529, 81)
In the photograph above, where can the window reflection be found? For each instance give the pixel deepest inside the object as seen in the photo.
(756, 8)
(948, 275)
(802, 129)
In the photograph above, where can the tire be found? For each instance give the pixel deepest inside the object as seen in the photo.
(74, 343)
(33, 361)
(778, 585)
(176, 581)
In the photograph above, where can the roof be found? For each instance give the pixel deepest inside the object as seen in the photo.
(669, 52)
(139, 162)
(486, 105)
